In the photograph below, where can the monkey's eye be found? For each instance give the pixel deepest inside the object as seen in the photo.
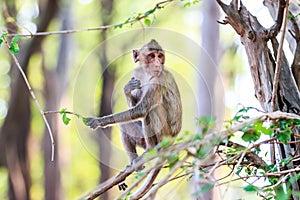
(152, 55)
(160, 55)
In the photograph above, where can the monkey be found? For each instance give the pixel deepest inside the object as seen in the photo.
(155, 108)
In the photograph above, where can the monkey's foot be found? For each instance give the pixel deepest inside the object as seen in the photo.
(136, 160)
(122, 186)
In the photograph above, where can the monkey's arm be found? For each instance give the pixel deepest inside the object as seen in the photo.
(126, 116)
(150, 99)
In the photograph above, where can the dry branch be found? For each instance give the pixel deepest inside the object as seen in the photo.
(279, 50)
(187, 146)
(36, 102)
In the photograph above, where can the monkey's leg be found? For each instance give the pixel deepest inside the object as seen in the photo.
(132, 136)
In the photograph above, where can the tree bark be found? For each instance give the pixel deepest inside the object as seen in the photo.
(106, 98)
(15, 130)
(55, 84)
(209, 59)
(262, 63)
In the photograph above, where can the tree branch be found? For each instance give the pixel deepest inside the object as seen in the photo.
(186, 146)
(274, 30)
(279, 54)
(36, 101)
(106, 27)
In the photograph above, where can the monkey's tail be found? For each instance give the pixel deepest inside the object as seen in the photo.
(146, 185)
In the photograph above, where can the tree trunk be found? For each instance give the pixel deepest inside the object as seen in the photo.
(106, 98)
(209, 59)
(262, 63)
(15, 130)
(55, 85)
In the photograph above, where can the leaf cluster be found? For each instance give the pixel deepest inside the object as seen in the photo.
(66, 120)
(13, 47)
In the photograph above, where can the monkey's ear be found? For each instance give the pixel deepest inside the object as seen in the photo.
(136, 53)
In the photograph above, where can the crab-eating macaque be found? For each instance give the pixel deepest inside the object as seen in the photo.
(154, 100)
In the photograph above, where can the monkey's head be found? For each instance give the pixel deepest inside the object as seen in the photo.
(152, 57)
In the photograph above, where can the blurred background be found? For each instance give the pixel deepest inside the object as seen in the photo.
(85, 72)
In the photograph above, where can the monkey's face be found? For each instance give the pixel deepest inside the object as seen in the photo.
(155, 60)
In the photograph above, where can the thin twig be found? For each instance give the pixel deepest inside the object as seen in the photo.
(165, 180)
(158, 164)
(59, 112)
(234, 169)
(278, 59)
(36, 102)
(106, 27)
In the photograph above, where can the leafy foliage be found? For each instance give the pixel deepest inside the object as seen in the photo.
(66, 120)
(14, 47)
(64, 117)
(2, 37)
(172, 159)
(250, 188)
(188, 3)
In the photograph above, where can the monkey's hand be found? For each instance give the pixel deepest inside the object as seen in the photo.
(132, 85)
(95, 122)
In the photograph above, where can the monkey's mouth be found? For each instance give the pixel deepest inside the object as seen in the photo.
(156, 73)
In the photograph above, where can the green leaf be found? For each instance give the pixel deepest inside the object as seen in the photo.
(239, 170)
(251, 136)
(250, 188)
(284, 136)
(271, 168)
(237, 117)
(149, 12)
(63, 110)
(246, 109)
(14, 48)
(165, 142)
(296, 121)
(206, 187)
(119, 25)
(282, 194)
(258, 126)
(15, 39)
(127, 20)
(187, 4)
(203, 151)
(206, 123)
(172, 159)
(293, 179)
(3, 35)
(147, 22)
(150, 152)
(273, 180)
(285, 161)
(65, 119)
(85, 121)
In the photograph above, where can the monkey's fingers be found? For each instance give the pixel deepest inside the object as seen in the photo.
(135, 84)
(92, 122)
